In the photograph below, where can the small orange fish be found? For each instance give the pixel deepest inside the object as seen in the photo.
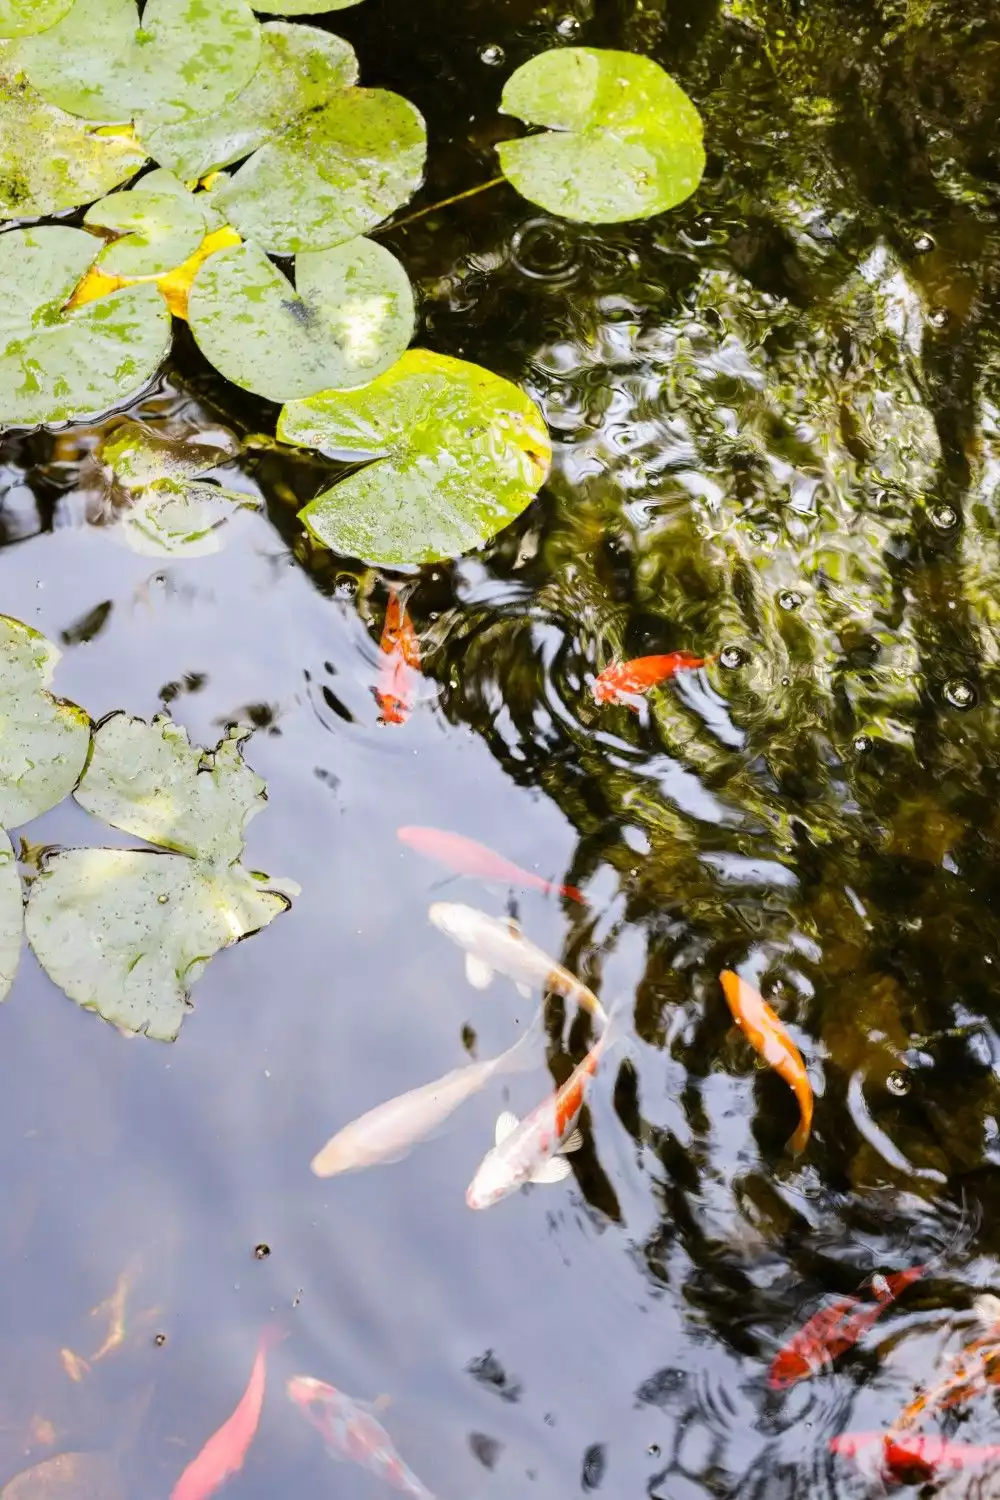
(400, 662)
(625, 679)
(766, 1035)
(834, 1329)
(224, 1453)
(974, 1368)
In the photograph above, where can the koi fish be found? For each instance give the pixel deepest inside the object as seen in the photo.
(387, 1132)
(469, 858)
(625, 679)
(349, 1430)
(834, 1329)
(766, 1035)
(492, 947)
(224, 1453)
(535, 1149)
(975, 1367)
(917, 1456)
(400, 650)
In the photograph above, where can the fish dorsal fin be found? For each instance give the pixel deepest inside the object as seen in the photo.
(506, 1124)
(553, 1170)
(478, 973)
(573, 1142)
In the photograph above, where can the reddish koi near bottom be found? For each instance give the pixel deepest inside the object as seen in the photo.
(224, 1453)
(834, 1329)
(469, 858)
(627, 679)
(399, 664)
(916, 1456)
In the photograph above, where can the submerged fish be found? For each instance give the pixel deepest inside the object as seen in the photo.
(534, 1149)
(834, 1329)
(469, 858)
(349, 1430)
(917, 1456)
(766, 1035)
(387, 1132)
(400, 661)
(973, 1369)
(626, 679)
(225, 1451)
(492, 946)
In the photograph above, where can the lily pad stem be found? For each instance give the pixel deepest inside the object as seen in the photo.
(432, 207)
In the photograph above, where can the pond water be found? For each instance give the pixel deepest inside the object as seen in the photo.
(775, 414)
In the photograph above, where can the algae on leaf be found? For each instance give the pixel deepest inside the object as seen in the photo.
(349, 319)
(43, 739)
(24, 17)
(623, 141)
(156, 231)
(457, 453)
(304, 7)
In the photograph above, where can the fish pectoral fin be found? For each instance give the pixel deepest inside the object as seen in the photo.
(553, 1170)
(506, 1124)
(478, 973)
(573, 1142)
(524, 990)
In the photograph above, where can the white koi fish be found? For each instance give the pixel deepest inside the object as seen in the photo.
(493, 946)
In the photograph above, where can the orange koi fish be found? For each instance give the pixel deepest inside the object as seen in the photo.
(224, 1453)
(973, 1369)
(834, 1329)
(624, 679)
(469, 858)
(766, 1035)
(400, 650)
(349, 1430)
(535, 1149)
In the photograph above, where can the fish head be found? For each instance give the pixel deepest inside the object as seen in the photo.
(317, 1401)
(492, 1181)
(454, 920)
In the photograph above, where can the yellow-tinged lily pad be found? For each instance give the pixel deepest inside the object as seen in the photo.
(457, 453)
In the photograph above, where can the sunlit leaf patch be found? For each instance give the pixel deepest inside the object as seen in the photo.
(23, 17)
(457, 453)
(623, 140)
(304, 7)
(154, 231)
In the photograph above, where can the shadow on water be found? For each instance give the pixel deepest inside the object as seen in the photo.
(776, 421)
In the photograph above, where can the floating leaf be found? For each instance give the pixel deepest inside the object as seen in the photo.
(458, 453)
(50, 160)
(11, 916)
(300, 68)
(43, 740)
(24, 17)
(187, 58)
(304, 7)
(350, 318)
(333, 175)
(57, 364)
(150, 781)
(624, 140)
(157, 231)
(137, 456)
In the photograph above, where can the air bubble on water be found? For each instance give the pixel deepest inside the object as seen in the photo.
(492, 55)
(732, 657)
(960, 693)
(163, 898)
(543, 250)
(862, 742)
(944, 517)
(938, 318)
(898, 1084)
(568, 25)
(261, 1252)
(789, 599)
(653, 1450)
(922, 243)
(345, 586)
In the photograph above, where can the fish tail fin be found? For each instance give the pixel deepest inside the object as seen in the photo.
(799, 1140)
(273, 1333)
(520, 1057)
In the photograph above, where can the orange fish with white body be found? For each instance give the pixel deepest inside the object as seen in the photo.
(399, 663)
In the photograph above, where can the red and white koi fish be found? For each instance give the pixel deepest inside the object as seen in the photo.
(834, 1329)
(349, 1430)
(400, 663)
(225, 1451)
(469, 858)
(628, 679)
(535, 1149)
(915, 1456)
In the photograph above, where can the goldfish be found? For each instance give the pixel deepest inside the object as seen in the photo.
(469, 858)
(535, 1149)
(387, 1132)
(626, 679)
(975, 1367)
(224, 1453)
(349, 1430)
(766, 1035)
(400, 661)
(834, 1329)
(493, 946)
(917, 1456)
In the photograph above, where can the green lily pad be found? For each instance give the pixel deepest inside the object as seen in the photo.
(457, 453)
(11, 916)
(137, 456)
(24, 17)
(126, 932)
(157, 231)
(300, 68)
(57, 365)
(150, 781)
(333, 175)
(49, 160)
(303, 7)
(43, 740)
(188, 58)
(624, 141)
(350, 318)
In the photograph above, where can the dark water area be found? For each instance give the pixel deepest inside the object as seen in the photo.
(775, 415)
